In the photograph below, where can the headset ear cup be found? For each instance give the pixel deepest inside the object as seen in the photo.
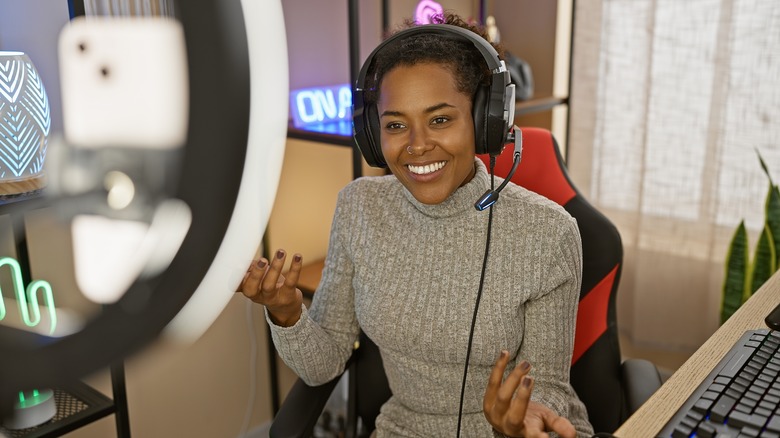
(480, 113)
(375, 148)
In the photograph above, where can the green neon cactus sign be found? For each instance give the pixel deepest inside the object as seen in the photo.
(27, 299)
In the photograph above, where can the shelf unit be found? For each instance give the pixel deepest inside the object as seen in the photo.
(78, 404)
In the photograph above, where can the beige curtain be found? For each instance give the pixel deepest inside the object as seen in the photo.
(670, 100)
(130, 8)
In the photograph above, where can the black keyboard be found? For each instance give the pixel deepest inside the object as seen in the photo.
(739, 398)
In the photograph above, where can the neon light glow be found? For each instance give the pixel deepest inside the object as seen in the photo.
(28, 299)
(322, 109)
(427, 9)
(33, 398)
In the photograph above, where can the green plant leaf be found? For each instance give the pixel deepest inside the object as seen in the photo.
(765, 167)
(772, 212)
(764, 262)
(737, 263)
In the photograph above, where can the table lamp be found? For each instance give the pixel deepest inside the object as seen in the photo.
(25, 121)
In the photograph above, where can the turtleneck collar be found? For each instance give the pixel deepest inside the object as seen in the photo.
(462, 200)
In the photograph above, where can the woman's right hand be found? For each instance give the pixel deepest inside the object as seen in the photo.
(264, 284)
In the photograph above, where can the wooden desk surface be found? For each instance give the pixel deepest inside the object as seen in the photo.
(656, 412)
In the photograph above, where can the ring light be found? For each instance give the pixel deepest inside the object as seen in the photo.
(227, 176)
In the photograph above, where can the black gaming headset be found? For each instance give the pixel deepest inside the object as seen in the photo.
(493, 105)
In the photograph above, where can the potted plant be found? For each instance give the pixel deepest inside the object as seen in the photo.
(743, 276)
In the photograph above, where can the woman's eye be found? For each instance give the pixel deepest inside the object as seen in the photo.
(439, 120)
(394, 126)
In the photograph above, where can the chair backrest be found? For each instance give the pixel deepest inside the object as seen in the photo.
(595, 372)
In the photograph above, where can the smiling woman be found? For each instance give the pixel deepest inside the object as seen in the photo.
(410, 258)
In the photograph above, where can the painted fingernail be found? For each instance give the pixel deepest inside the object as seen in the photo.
(504, 353)
(261, 264)
(524, 365)
(297, 258)
(527, 382)
(279, 254)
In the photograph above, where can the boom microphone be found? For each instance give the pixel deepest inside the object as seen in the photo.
(491, 196)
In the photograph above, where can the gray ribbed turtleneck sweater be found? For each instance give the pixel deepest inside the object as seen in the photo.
(407, 273)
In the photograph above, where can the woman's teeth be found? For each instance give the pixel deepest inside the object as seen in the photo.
(428, 168)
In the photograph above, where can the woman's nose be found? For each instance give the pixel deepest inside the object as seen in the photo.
(419, 143)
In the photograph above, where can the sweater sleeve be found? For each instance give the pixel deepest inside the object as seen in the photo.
(318, 346)
(550, 320)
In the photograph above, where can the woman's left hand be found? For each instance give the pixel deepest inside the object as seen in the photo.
(509, 409)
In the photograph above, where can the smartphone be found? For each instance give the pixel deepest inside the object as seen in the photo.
(124, 82)
(773, 319)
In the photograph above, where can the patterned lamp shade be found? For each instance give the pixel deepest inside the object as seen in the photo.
(25, 121)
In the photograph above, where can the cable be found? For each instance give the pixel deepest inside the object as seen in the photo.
(479, 298)
(252, 367)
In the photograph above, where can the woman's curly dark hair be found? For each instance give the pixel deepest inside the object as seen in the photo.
(460, 56)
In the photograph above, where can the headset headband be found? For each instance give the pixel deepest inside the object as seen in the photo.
(493, 113)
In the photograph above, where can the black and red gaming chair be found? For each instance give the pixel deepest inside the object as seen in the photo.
(610, 388)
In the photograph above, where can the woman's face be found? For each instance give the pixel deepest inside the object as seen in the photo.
(422, 112)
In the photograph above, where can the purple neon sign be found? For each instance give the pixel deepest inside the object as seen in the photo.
(427, 9)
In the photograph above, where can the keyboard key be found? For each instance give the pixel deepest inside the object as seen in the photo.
(774, 424)
(740, 419)
(722, 408)
(741, 381)
(731, 392)
(758, 337)
(696, 416)
(716, 388)
(710, 395)
(769, 406)
(749, 432)
(703, 405)
(739, 387)
(763, 411)
(689, 422)
(682, 431)
(760, 360)
(705, 430)
(742, 407)
(723, 380)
